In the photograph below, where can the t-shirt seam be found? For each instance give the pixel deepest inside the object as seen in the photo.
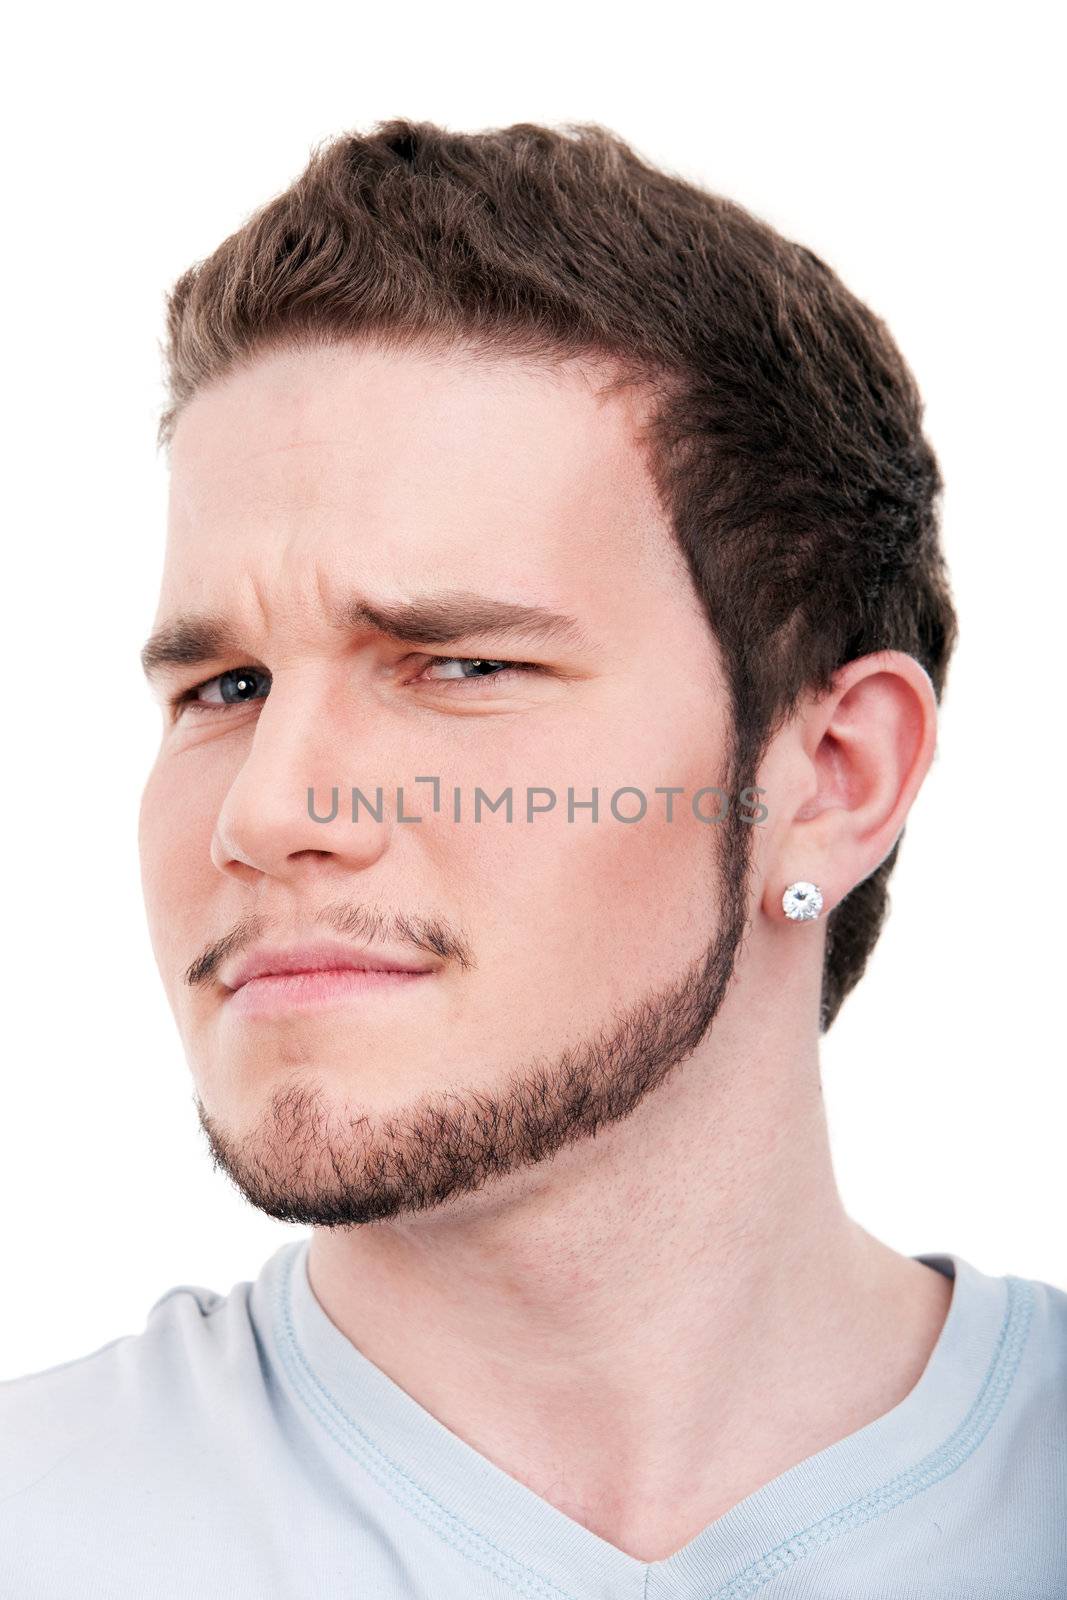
(932, 1468)
(446, 1524)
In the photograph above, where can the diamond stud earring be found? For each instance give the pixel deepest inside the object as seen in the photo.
(802, 902)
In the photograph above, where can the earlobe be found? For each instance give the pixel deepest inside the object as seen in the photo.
(802, 901)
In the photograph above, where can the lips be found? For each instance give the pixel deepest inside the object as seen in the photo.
(318, 956)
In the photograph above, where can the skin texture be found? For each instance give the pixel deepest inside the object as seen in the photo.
(548, 1181)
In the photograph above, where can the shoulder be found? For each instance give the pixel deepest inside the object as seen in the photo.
(1019, 1413)
(1043, 1360)
(115, 1401)
(1019, 1475)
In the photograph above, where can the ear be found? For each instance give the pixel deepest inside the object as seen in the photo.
(846, 770)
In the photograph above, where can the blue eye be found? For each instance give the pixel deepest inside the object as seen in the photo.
(242, 684)
(235, 687)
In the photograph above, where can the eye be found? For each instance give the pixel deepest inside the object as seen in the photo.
(232, 688)
(480, 664)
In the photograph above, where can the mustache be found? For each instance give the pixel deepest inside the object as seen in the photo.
(429, 934)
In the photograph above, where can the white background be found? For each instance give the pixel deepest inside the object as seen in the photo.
(910, 146)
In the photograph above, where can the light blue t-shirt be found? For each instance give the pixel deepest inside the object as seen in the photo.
(241, 1448)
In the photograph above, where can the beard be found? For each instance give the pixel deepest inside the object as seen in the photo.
(307, 1162)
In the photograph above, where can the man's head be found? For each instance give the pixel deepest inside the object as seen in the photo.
(526, 367)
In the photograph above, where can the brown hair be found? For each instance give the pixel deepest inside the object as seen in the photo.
(785, 441)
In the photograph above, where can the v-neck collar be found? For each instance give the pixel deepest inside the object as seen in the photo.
(501, 1524)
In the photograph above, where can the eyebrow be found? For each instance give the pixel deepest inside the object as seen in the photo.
(432, 619)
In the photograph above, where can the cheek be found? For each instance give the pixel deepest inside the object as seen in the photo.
(581, 916)
(174, 838)
(634, 894)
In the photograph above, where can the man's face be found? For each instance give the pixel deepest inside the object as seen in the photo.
(568, 956)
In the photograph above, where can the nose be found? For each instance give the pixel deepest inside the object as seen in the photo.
(266, 824)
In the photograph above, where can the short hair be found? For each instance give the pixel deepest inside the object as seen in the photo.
(785, 441)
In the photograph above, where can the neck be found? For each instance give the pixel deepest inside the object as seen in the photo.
(666, 1316)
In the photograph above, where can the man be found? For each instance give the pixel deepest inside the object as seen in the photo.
(504, 970)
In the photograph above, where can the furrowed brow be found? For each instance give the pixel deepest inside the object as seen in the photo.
(186, 642)
(459, 614)
(190, 641)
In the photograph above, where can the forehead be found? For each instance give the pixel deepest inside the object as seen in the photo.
(393, 472)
